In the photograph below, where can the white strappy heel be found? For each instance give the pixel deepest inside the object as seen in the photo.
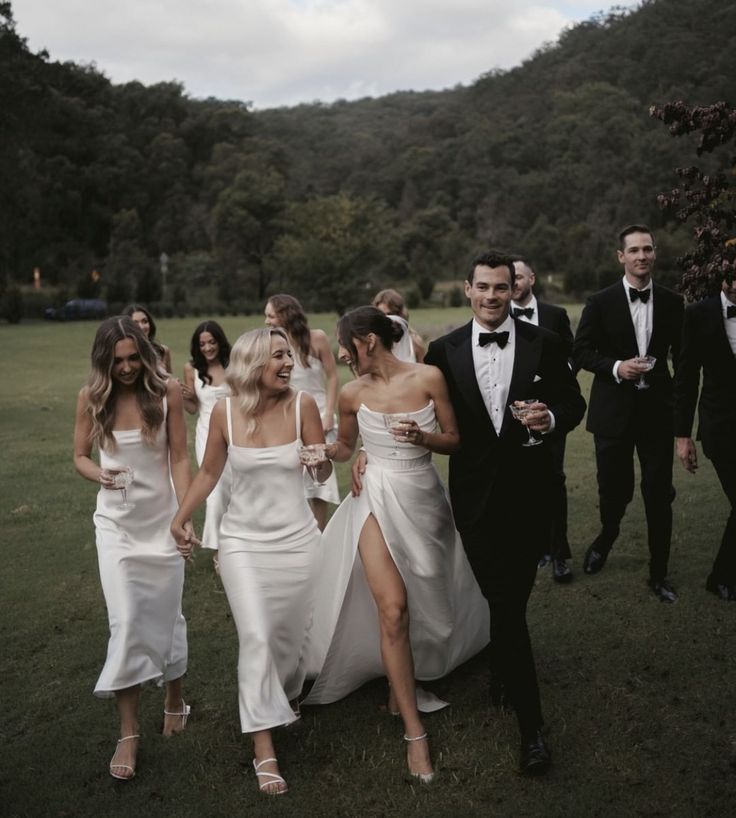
(114, 766)
(425, 778)
(275, 778)
(183, 714)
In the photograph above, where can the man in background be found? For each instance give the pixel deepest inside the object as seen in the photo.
(527, 307)
(709, 344)
(631, 402)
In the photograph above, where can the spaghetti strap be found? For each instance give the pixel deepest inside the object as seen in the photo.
(229, 421)
(299, 414)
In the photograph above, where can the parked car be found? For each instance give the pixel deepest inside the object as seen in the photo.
(76, 309)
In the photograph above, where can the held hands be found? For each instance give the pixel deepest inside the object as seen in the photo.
(538, 418)
(185, 538)
(687, 453)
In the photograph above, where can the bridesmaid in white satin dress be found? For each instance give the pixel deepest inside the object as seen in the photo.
(315, 371)
(268, 538)
(135, 418)
(396, 595)
(204, 384)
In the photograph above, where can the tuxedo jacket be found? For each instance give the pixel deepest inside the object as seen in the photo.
(540, 370)
(705, 346)
(556, 320)
(605, 335)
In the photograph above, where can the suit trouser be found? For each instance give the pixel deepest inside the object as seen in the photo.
(724, 567)
(559, 547)
(505, 566)
(615, 466)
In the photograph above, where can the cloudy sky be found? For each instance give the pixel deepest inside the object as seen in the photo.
(282, 52)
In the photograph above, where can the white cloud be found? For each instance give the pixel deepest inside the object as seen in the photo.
(281, 52)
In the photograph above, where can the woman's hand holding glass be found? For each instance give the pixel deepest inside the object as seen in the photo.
(314, 458)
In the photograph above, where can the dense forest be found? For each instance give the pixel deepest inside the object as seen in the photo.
(333, 201)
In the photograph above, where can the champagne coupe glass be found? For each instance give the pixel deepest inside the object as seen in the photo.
(122, 479)
(311, 456)
(648, 362)
(519, 413)
(393, 424)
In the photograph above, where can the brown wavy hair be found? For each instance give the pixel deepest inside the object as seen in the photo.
(101, 388)
(393, 300)
(293, 320)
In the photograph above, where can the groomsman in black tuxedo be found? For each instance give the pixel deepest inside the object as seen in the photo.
(621, 324)
(499, 488)
(526, 307)
(709, 344)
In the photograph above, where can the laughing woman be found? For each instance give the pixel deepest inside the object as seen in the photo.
(268, 535)
(134, 418)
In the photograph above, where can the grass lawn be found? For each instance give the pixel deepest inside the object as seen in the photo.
(638, 696)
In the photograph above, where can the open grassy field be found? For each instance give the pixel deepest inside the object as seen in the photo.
(639, 696)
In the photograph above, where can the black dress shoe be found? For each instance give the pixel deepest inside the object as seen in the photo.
(561, 572)
(726, 592)
(544, 561)
(663, 590)
(535, 755)
(594, 560)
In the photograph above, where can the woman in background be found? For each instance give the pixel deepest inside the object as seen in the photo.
(204, 383)
(395, 594)
(315, 372)
(134, 417)
(145, 321)
(410, 347)
(268, 536)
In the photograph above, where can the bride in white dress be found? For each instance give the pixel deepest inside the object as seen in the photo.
(396, 595)
(134, 417)
(268, 538)
(315, 371)
(204, 384)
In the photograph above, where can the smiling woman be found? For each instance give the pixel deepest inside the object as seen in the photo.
(268, 535)
(135, 419)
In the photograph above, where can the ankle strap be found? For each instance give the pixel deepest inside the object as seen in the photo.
(415, 738)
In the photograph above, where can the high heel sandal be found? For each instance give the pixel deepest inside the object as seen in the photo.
(183, 714)
(275, 778)
(122, 766)
(424, 778)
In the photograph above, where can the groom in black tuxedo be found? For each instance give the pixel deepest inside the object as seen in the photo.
(619, 325)
(709, 344)
(499, 488)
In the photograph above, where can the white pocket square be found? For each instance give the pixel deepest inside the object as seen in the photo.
(537, 378)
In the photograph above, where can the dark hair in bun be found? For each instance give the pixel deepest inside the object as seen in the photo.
(362, 321)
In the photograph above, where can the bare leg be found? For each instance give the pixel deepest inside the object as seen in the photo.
(123, 761)
(389, 592)
(175, 710)
(319, 509)
(269, 777)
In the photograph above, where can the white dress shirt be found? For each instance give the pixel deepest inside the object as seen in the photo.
(642, 317)
(729, 323)
(493, 369)
(533, 305)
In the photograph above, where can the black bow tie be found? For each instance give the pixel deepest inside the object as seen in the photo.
(641, 295)
(527, 312)
(485, 338)
(730, 312)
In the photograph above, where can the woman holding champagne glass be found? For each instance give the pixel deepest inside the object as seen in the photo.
(268, 535)
(134, 417)
(395, 595)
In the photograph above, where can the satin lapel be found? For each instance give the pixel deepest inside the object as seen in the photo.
(460, 361)
(715, 319)
(622, 312)
(526, 357)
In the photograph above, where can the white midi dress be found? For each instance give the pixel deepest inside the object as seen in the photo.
(311, 380)
(141, 571)
(207, 397)
(448, 615)
(268, 544)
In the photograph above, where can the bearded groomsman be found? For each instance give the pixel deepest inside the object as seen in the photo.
(527, 307)
(631, 405)
(709, 344)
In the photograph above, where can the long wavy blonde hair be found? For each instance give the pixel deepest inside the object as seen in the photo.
(101, 388)
(248, 358)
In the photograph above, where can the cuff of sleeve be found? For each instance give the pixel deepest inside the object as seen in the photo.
(615, 371)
